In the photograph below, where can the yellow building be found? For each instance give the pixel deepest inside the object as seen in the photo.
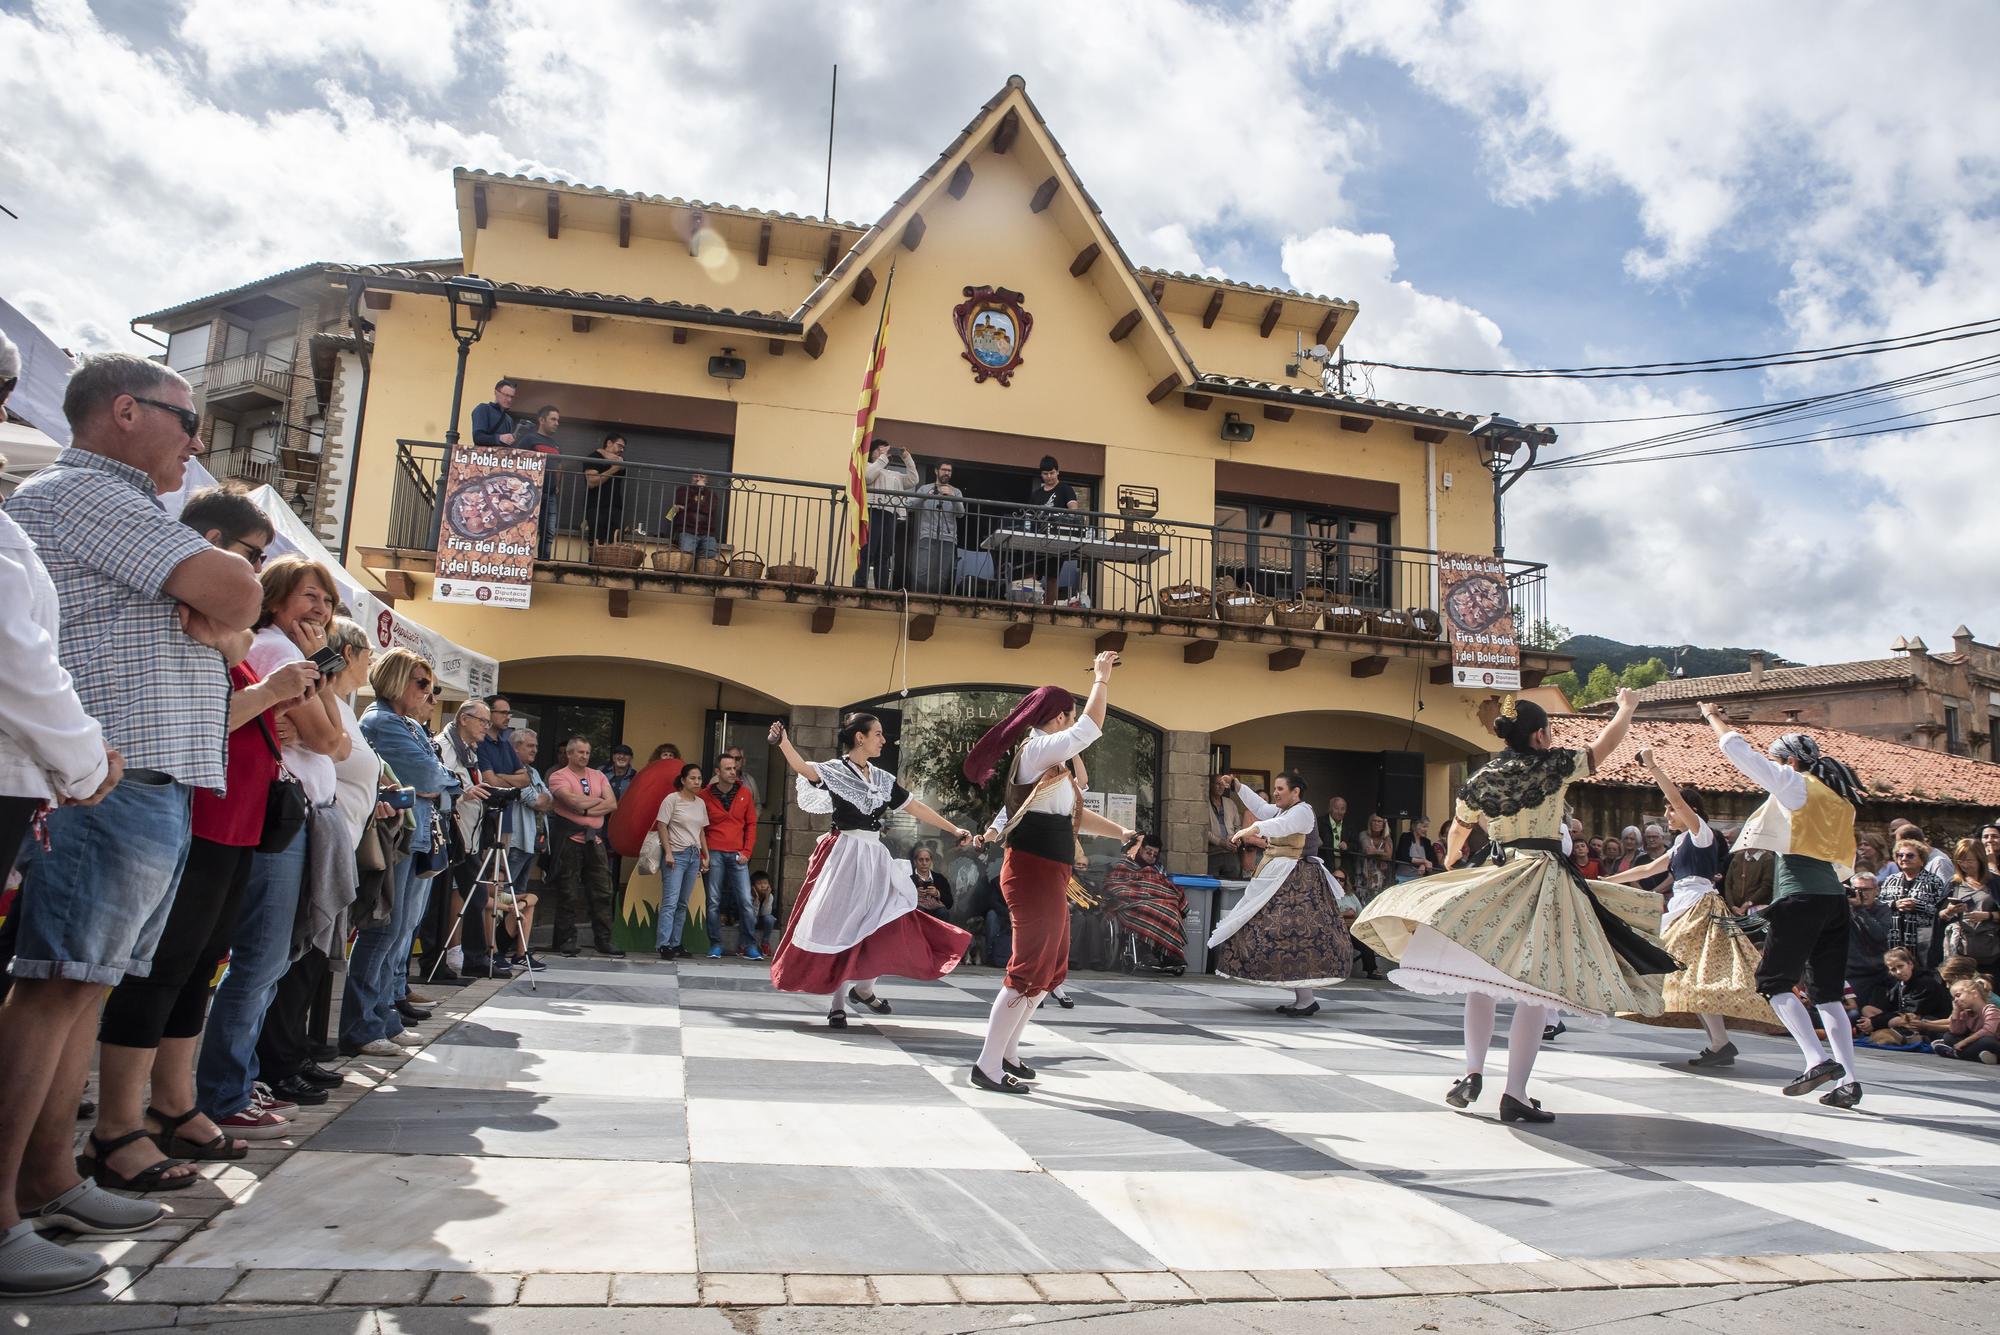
(1199, 467)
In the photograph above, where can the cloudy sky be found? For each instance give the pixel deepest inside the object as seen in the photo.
(1498, 185)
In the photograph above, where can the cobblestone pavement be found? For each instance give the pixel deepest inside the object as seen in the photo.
(641, 1135)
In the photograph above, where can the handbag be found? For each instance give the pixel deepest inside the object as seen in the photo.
(285, 806)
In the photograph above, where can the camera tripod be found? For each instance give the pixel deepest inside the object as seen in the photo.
(496, 874)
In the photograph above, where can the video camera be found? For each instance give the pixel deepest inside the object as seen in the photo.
(501, 797)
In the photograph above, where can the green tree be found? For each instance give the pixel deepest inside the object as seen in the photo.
(1600, 685)
(1542, 634)
(1641, 675)
(1565, 682)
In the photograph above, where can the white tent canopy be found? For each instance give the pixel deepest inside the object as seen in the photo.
(459, 670)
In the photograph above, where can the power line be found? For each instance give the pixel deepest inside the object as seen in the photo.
(1717, 365)
(1810, 439)
(1802, 401)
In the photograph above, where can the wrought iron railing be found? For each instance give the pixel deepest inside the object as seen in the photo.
(957, 547)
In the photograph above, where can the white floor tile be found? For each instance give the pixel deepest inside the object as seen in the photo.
(849, 1136)
(445, 1066)
(521, 1007)
(1079, 1089)
(1912, 1216)
(792, 1044)
(1269, 1221)
(1444, 1141)
(1204, 1057)
(419, 1212)
(1867, 1140)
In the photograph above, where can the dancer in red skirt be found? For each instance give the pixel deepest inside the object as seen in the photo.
(856, 916)
(1046, 815)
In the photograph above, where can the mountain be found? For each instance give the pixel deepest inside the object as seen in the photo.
(1590, 650)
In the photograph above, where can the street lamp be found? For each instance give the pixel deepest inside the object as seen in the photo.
(1500, 439)
(472, 301)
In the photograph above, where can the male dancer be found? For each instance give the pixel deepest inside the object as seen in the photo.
(1047, 814)
(1809, 823)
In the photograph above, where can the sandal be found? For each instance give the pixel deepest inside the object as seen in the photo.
(97, 1167)
(217, 1148)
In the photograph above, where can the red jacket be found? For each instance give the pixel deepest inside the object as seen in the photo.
(731, 828)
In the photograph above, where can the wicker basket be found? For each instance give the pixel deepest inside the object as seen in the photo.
(746, 565)
(1389, 624)
(1315, 593)
(673, 560)
(1297, 616)
(1426, 624)
(710, 565)
(1346, 620)
(1243, 608)
(1186, 600)
(621, 554)
(791, 572)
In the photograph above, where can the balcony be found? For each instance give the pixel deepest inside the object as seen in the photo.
(237, 383)
(783, 539)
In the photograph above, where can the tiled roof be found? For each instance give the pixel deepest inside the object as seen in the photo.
(1322, 399)
(1209, 280)
(286, 276)
(641, 197)
(665, 310)
(1779, 679)
(1687, 751)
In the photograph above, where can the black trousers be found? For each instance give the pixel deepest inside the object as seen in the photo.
(1808, 939)
(284, 1045)
(172, 1000)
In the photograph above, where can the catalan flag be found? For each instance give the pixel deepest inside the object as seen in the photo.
(864, 435)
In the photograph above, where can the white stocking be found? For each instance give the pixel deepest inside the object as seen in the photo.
(865, 986)
(1007, 1007)
(1524, 1040)
(1022, 1017)
(834, 1004)
(1791, 1013)
(1302, 997)
(1479, 1013)
(1718, 1033)
(1840, 1036)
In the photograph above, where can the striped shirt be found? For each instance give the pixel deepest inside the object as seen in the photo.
(110, 547)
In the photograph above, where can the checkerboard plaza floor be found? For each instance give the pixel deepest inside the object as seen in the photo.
(638, 1118)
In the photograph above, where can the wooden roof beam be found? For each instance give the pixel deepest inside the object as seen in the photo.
(764, 244)
(832, 253)
(625, 224)
(1111, 642)
(1356, 423)
(619, 603)
(579, 324)
(1199, 402)
(1159, 290)
(1044, 192)
(864, 287)
(913, 232)
(1325, 330)
(1273, 413)
(479, 207)
(1198, 651)
(398, 584)
(1164, 388)
(1126, 324)
(1284, 660)
(376, 301)
(815, 341)
(1007, 131)
(1086, 257)
(777, 347)
(1270, 320)
(1441, 674)
(1017, 635)
(822, 621)
(1372, 666)
(1429, 435)
(922, 627)
(1214, 309)
(721, 611)
(961, 181)
(554, 204)
(680, 335)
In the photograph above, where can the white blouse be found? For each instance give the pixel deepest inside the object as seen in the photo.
(1273, 821)
(1044, 751)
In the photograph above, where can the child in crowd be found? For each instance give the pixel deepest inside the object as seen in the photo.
(764, 902)
(1918, 1004)
(1973, 1033)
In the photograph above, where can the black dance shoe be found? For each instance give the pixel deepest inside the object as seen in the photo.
(1513, 1110)
(1019, 1070)
(876, 1004)
(1554, 1031)
(1842, 1096)
(414, 1014)
(1299, 1012)
(836, 1020)
(1813, 1079)
(1466, 1092)
(1062, 1000)
(1006, 1084)
(1722, 1056)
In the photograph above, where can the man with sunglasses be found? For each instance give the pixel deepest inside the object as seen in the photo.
(580, 869)
(150, 617)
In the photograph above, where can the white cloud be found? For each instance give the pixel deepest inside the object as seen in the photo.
(409, 40)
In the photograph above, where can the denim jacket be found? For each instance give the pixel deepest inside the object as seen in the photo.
(406, 748)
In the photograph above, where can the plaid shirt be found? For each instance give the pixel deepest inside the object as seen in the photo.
(110, 548)
(1913, 929)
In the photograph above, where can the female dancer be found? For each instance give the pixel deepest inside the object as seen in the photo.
(1286, 930)
(1040, 837)
(1528, 928)
(856, 917)
(1719, 963)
